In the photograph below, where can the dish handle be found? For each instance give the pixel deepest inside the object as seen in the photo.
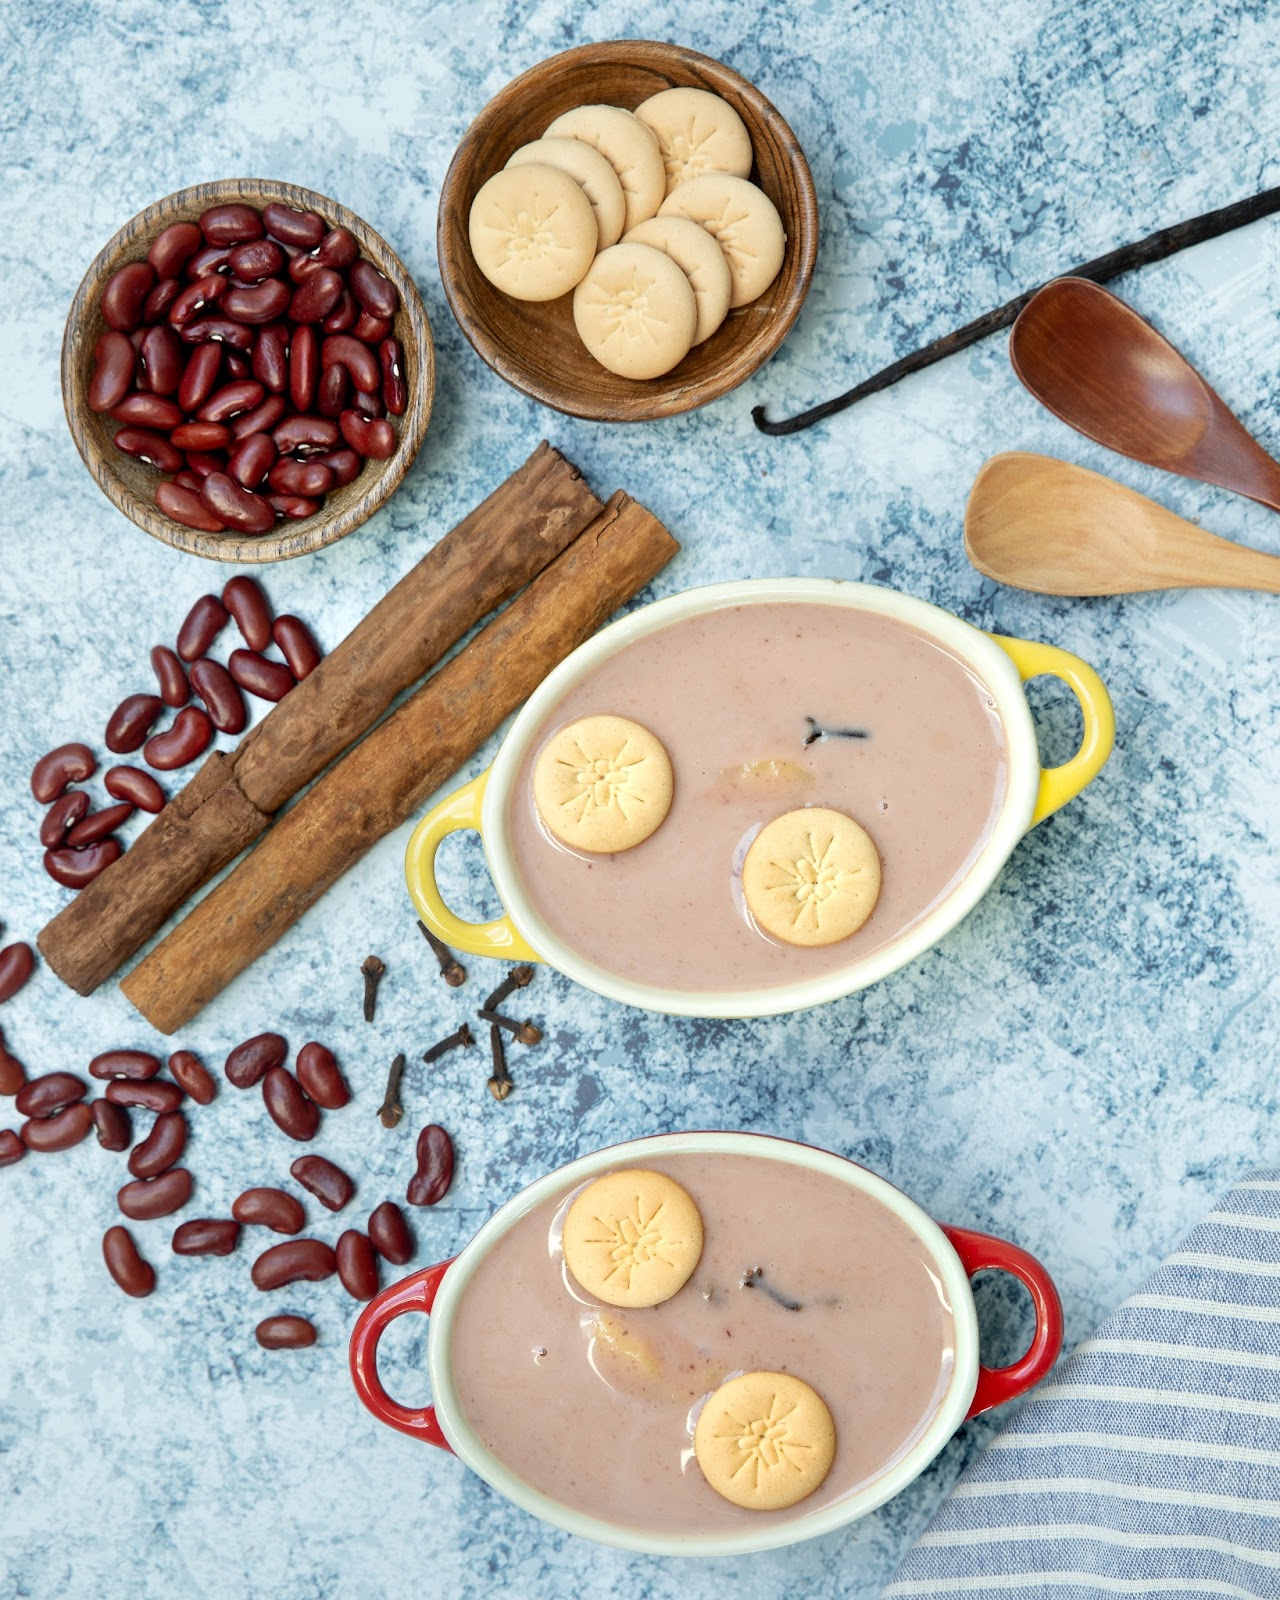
(1060, 784)
(457, 811)
(414, 1293)
(980, 1252)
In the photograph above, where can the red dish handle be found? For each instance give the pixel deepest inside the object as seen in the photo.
(979, 1252)
(414, 1293)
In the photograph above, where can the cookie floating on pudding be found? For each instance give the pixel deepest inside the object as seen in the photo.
(765, 1441)
(811, 877)
(633, 1238)
(603, 784)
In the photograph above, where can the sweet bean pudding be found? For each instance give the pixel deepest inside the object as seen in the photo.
(812, 1289)
(847, 735)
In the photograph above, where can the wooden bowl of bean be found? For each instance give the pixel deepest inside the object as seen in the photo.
(534, 344)
(258, 358)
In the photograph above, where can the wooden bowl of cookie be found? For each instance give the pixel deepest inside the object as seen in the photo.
(576, 223)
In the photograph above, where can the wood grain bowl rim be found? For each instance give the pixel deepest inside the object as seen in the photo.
(669, 395)
(377, 481)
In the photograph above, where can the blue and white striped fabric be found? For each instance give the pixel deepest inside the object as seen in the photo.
(1149, 1463)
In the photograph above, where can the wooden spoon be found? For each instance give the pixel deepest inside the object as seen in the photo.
(1046, 525)
(1096, 364)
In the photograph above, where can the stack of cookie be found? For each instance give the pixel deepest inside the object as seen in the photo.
(648, 216)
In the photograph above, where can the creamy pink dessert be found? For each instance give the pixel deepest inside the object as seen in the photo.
(764, 709)
(596, 1406)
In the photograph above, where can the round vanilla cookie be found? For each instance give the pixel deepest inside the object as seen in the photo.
(743, 221)
(633, 1238)
(588, 168)
(765, 1440)
(636, 311)
(697, 132)
(701, 260)
(811, 877)
(627, 145)
(602, 784)
(533, 232)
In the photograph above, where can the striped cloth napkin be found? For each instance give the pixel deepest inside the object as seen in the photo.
(1149, 1463)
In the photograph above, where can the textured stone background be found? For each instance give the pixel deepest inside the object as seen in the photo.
(1083, 1065)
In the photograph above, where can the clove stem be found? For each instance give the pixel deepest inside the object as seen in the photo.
(391, 1110)
(518, 978)
(523, 1032)
(500, 1084)
(463, 1038)
(451, 969)
(372, 969)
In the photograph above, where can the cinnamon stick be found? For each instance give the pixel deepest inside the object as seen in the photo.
(525, 523)
(404, 760)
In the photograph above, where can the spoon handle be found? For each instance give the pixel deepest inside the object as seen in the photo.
(1222, 565)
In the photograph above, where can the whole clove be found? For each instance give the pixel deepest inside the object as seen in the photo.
(451, 969)
(518, 978)
(817, 732)
(500, 1084)
(390, 1112)
(523, 1032)
(753, 1278)
(372, 969)
(463, 1039)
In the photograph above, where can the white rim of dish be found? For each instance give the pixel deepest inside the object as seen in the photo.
(975, 649)
(474, 1453)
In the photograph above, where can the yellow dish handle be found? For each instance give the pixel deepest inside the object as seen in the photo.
(460, 810)
(1060, 784)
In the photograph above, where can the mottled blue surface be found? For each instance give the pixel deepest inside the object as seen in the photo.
(1083, 1065)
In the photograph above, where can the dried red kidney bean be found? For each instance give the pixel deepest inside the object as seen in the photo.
(341, 349)
(293, 506)
(69, 763)
(46, 1096)
(368, 405)
(156, 306)
(311, 1259)
(299, 649)
(63, 814)
(202, 465)
(288, 1107)
(260, 420)
(263, 303)
(357, 1265)
(125, 294)
(285, 1333)
(389, 1233)
(307, 478)
(162, 1146)
(372, 330)
(391, 363)
(316, 296)
(246, 602)
(372, 437)
(269, 680)
(151, 447)
(185, 506)
(16, 964)
(256, 259)
(201, 436)
(344, 315)
(430, 1183)
(202, 625)
(200, 376)
(376, 293)
(229, 401)
(190, 1074)
(60, 1132)
(188, 738)
(251, 460)
(253, 1059)
(186, 479)
(304, 228)
(146, 1198)
(333, 390)
(131, 783)
(136, 1064)
(338, 248)
(230, 223)
(161, 362)
(131, 722)
(212, 258)
(147, 411)
(269, 1208)
(11, 1148)
(317, 1071)
(220, 331)
(271, 358)
(115, 361)
(170, 676)
(134, 1275)
(98, 824)
(111, 1124)
(237, 507)
(73, 869)
(12, 1073)
(215, 686)
(344, 464)
(304, 368)
(305, 433)
(196, 297)
(205, 1236)
(158, 1095)
(174, 247)
(329, 1183)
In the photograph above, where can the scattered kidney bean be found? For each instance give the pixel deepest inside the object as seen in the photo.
(158, 1095)
(430, 1183)
(63, 814)
(111, 1124)
(215, 686)
(205, 1236)
(98, 824)
(258, 259)
(16, 963)
(288, 1107)
(251, 460)
(146, 1198)
(131, 783)
(201, 436)
(236, 506)
(391, 362)
(311, 1259)
(131, 721)
(190, 1074)
(11, 1148)
(125, 294)
(316, 296)
(317, 1071)
(136, 1064)
(12, 1073)
(269, 680)
(389, 1233)
(162, 1146)
(269, 1208)
(46, 1096)
(170, 676)
(69, 763)
(60, 1132)
(202, 625)
(285, 1333)
(329, 1183)
(260, 420)
(73, 869)
(161, 362)
(307, 478)
(115, 364)
(293, 506)
(230, 223)
(299, 649)
(357, 1265)
(200, 376)
(147, 411)
(303, 228)
(271, 358)
(188, 738)
(246, 602)
(372, 437)
(304, 367)
(252, 1060)
(134, 1275)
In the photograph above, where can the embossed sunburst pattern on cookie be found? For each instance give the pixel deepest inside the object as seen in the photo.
(633, 1238)
(765, 1440)
(532, 231)
(603, 784)
(743, 220)
(811, 877)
